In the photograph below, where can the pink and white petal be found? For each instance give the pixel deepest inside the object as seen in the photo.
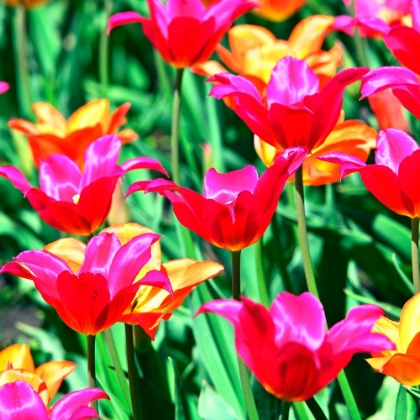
(158, 279)
(16, 177)
(60, 178)
(190, 8)
(348, 164)
(226, 308)
(143, 163)
(125, 18)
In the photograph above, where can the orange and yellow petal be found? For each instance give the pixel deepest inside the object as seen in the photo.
(389, 329)
(208, 68)
(409, 321)
(403, 368)
(70, 250)
(47, 114)
(18, 356)
(93, 113)
(23, 126)
(278, 10)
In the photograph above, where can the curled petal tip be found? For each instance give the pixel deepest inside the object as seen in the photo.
(125, 18)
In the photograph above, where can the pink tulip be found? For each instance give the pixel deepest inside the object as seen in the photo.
(73, 201)
(288, 347)
(19, 401)
(185, 32)
(297, 112)
(394, 178)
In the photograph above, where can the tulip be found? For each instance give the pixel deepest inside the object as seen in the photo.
(73, 201)
(296, 112)
(404, 84)
(288, 348)
(352, 137)
(185, 32)
(95, 297)
(236, 207)
(151, 304)
(403, 363)
(28, 4)
(4, 87)
(18, 401)
(18, 356)
(53, 134)
(255, 51)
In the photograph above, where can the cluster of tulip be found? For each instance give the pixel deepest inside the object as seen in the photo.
(290, 95)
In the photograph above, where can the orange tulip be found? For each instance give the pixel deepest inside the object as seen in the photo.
(152, 304)
(351, 137)
(403, 364)
(17, 360)
(255, 51)
(53, 134)
(28, 4)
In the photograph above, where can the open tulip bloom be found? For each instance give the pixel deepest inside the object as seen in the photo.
(394, 178)
(296, 111)
(19, 401)
(74, 201)
(235, 208)
(288, 347)
(95, 298)
(185, 32)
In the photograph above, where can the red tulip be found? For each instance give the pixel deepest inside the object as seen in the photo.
(73, 201)
(297, 112)
(288, 348)
(394, 178)
(19, 401)
(185, 32)
(236, 208)
(96, 297)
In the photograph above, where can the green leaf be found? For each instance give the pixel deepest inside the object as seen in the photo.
(179, 406)
(406, 407)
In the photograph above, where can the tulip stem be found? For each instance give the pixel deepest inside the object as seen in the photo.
(132, 377)
(91, 366)
(303, 234)
(348, 396)
(176, 118)
(22, 76)
(117, 363)
(415, 253)
(104, 50)
(243, 370)
(285, 410)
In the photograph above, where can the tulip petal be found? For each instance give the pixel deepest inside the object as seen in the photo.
(190, 8)
(47, 114)
(68, 406)
(393, 146)
(129, 260)
(18, 401)
(89, 115)
(291, 80)
(408, 175)
(409, 321)
(125, 18)
(70, 250)
(403, 368)
(348, 164)
(16, 177)
(155, 278)
(18, 355)
(224, 188)
(143, 163)
(60, 178)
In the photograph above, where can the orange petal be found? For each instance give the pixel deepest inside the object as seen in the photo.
(127, 136)
(377, 363)
(208, 68)
(265, 151)
(53, 374)
(47, 114)
(93, 113)
(70, 250)
(403, 368)
(410, 321)
(388, 111)
(18, 355)
(23, 126)
(278, 10)
(325, 63)
(13, 375)
(118, 118)
(308, 35)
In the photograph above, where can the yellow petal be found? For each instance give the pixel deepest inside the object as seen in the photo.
(70, 250)
(14, 375)
(410, 321)
(208, 68)
(389, 329)
(18, 355)
(47, 114)
(377, 363)
(53, 374)
(94, 112)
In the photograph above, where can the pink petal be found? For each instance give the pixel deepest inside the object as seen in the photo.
(392, 146)
(299, 319)
(185, 8)
(125, 18)
(101, 159)
(229, 84)
(348, 164)
(60, 178)
(224, 188)
(158, 279)
(291, 80)
(226, 11)
(143, 163)
(19, 401)
(99, 255)
(16, 177)
(67, 406)
(4, 87)
(129, 260)
(415, 14)
(409, 179)
(226, 308)
(295, 156)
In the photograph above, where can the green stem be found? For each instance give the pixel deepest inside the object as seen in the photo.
(285, 410)
(415, 253)
(176, 117)
(132, 373)
(117, 364)
(262, 284)
(348, 396)
(104, 50)
(243, 370)
(91, 366)
(359, 42)
(303, 234)
(22, 76)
